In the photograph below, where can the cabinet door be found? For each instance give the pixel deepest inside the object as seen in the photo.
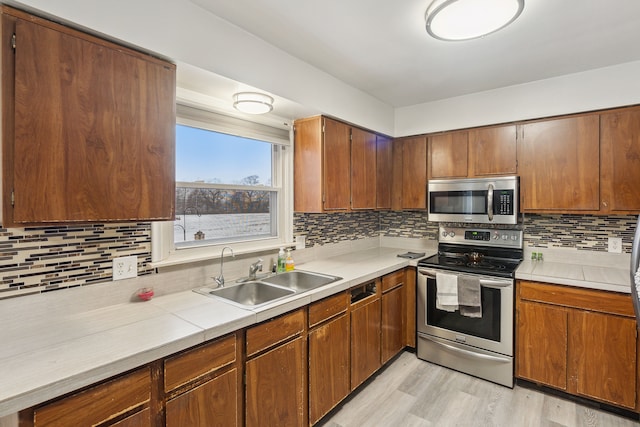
(410, 305)
(493, 151)
(98, 404)
(559, 165)
(392, 323)
(275, 393)
(214, 403)
(307, 165)
(337, 165)
(328, 366)
(602, 356)
(541, 344)
(363, 169)
(94, 129)
(620, 161)
(414, 173)
(448, 155)
(384, 170)
(365, 341)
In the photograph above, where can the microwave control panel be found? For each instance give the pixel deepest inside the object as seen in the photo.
(503, 202)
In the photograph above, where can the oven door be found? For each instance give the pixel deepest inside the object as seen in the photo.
(493, 331)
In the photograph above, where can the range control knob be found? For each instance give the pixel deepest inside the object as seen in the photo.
(452, 234)
(444, 233)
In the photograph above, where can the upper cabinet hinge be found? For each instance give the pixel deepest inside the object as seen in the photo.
(13, 41)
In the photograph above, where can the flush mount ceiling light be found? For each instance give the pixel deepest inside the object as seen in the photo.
(252, 102)
(470, 19)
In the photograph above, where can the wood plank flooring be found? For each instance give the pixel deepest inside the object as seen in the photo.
(411, 392)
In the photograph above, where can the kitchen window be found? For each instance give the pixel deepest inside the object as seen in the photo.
(233, 188)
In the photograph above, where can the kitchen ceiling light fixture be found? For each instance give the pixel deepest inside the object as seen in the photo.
(252, 102)
(455, 20)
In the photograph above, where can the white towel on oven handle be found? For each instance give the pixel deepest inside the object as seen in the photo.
(446, 292)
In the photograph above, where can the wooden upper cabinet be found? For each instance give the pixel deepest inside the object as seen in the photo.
(384, 169)
(493, 151)
(363, 169)
(414, 172)
(620, 161)
(89, 127)
(337, 165)
(307, 165)
(322, 165)
(448, 153)
(559, 165)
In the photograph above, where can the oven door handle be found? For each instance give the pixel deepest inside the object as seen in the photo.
(488, 283)
(468, 353)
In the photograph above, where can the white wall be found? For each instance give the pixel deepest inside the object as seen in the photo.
(596, 89)
(184, 32)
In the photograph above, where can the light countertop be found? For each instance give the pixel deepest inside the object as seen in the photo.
(594, 270)
(52, 345)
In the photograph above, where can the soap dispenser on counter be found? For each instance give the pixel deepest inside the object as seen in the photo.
(280, 267)
(288, 264)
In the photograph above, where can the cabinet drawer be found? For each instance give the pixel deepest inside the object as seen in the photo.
(192, 364)
(275, 331)
(392, 280)
(99, 403)
(328, 308)
(579, 298)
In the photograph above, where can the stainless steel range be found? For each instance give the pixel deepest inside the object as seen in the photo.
(466, 302)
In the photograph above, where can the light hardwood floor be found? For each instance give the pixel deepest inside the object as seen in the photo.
(411, 392)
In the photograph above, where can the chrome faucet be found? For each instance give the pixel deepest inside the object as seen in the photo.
(254, 268)
(220, 278)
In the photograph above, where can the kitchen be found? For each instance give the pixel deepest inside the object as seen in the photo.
(547, 231)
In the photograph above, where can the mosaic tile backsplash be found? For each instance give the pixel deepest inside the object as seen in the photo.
(582, 232)
(49, 258)
(42, 259)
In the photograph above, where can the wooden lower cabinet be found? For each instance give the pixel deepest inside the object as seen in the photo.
(542, 344)
(602, 357)
(329, 362)
(365, 337)
(581, 341)
(276, 372)
(120, 401)
(392, 315)
(213, 403)
(202, 385)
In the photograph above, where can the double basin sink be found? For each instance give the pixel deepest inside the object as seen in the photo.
(254, 293)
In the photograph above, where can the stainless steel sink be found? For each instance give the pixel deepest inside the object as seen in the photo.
(301, 281)
(248, 294)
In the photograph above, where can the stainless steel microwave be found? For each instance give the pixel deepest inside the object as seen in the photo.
(474, 200)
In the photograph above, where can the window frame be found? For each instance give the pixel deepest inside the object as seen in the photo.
(163, 249)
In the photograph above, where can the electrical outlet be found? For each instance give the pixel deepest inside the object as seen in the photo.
(301, 242)
(125, 267)
(615, 245)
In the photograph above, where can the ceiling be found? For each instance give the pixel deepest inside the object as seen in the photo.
(381, 46)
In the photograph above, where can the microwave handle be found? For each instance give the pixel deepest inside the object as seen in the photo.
(490, 202)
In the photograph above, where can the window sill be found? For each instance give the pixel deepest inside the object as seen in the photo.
(186, 256)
